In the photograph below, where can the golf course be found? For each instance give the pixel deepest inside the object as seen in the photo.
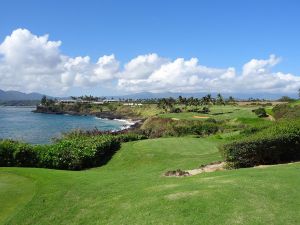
(131, 189)
(131, 186)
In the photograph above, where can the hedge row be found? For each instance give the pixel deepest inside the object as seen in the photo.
(286, 111)
(277, 144)
(72, 153)
(156, 127)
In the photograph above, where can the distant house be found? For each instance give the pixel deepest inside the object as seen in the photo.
(110, 100)
(132, 104)
(71, 101)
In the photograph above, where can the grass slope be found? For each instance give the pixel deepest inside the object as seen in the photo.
(130, 189)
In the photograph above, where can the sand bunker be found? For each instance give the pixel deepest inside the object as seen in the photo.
(216, 166)
(201, 117)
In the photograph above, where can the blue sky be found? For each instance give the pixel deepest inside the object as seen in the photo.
(220, 34)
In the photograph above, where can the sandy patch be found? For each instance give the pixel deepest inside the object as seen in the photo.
(216, 166)
(201, 117)
(208, 168)
(175, 119)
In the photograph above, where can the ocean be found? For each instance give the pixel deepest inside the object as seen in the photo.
(20, 123)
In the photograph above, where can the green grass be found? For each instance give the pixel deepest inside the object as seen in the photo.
(130, 189)
(294, 103)
(216, 112)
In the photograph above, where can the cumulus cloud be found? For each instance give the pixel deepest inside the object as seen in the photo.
(183, 75)
(34, 63)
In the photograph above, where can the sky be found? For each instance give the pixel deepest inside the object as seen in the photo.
(110, 47)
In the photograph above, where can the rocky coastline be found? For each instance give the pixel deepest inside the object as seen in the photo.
(134, 122)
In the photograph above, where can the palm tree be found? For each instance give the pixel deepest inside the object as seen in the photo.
(220, 99)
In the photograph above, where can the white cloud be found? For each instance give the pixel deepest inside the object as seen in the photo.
(257, 67)
(33, 63)
(142, 66)
(183, 75)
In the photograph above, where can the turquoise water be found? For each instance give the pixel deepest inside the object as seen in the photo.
(19, 123)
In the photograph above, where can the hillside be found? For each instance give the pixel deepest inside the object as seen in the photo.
(16, 95)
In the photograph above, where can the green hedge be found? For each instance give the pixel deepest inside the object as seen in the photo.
(71, 153)
(279, 143)
(14, 153)
(286, 111)
(156, 127)
(78, 153)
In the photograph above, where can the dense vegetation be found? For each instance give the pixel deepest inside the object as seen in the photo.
(280, 143)
(155, 127)
(286, 111)
(73, 152)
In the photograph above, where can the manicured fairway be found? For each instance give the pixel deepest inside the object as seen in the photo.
(216, 112)
(130, 189)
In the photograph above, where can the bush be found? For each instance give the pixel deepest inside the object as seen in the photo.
(260, 112)
(285, 111)
(13, 153)
(73, 152)
(176, 110)
(80, 153)
(279, 143)
(161, 127)
(205, 110)
(130, 136)
(7, 148)
(25, 155)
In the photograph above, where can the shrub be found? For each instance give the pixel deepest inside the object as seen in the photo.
(7, 148)
(285, 111)
(205, 110)
(211, 120)
(159, 127)
(130, 136)
(279, 143)
(176, 110)
(81, 152)
(72, 153)
(25, 155)
(13, 153)
(260, 112)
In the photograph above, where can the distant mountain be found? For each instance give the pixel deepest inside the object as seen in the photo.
(19, 96)
(6, 96)
(148, 95)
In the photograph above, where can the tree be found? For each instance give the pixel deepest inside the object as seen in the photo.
(44, 100)
(220, 99)
(285, 99)
(231, 99)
